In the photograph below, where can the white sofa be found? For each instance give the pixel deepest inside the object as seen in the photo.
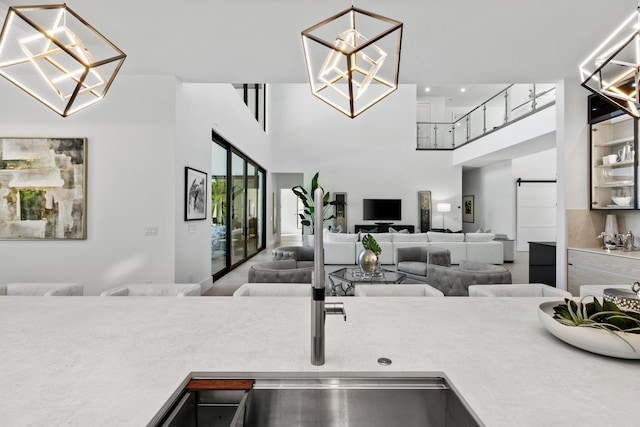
(341, 248)
(273, 290)
(154, 289)
(397, 291)
(519, 290)
(42, 289)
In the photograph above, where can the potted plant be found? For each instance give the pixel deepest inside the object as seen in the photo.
(306, 197)
(368, 257)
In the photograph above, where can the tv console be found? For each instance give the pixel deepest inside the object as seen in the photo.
(383, 228)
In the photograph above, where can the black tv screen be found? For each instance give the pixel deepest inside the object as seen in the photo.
(382, 209)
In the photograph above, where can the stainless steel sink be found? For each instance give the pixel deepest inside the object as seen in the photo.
(331, 401)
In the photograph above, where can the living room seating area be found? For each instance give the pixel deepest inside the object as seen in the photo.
(343, 248)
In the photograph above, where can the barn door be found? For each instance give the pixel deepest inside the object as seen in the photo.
(535, 212)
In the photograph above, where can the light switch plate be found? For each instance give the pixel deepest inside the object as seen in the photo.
(150, 230)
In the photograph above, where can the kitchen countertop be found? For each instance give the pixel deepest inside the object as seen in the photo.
(109, 361)
(616, 252)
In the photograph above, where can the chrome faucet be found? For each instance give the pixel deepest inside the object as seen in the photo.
(319, 309)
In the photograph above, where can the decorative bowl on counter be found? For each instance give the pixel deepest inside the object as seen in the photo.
(622, 201)
(626, 300)
(600, 341)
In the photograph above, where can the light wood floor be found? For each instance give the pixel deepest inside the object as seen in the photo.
(226, 285)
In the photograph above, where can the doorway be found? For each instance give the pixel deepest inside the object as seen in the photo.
(535, 212)
(291, 229)
(238, 203)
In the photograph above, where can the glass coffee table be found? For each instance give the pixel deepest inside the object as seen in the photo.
(344, 280)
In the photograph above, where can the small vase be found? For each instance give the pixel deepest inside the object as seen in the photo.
(368, 262)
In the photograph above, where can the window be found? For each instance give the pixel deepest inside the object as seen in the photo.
(254, 96)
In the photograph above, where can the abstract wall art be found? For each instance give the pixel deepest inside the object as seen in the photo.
(468, 209)
(424, 206)
(195, 193)
(43, 194)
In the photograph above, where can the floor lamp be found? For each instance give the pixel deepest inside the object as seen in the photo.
(443, 208)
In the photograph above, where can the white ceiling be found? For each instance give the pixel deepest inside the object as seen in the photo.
(445, 43)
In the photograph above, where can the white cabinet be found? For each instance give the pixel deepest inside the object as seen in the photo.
(586, 267)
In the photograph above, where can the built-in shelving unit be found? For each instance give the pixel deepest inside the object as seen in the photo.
(613, 162)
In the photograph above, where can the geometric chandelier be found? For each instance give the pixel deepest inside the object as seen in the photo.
(612, 70)
(353, 59)
(57, 57)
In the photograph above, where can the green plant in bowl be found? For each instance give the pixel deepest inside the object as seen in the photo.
(369, 242)
(606, 316)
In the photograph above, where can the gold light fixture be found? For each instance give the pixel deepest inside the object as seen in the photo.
(57, 57)
(353, 59)
(612, 70)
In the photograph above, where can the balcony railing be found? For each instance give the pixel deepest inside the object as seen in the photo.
(507, 106)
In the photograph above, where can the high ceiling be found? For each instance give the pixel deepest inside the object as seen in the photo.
(445, 43)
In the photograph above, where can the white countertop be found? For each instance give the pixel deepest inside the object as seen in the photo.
(616, 252)
(89, 361)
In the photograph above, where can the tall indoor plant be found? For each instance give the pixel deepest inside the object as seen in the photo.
(306, 197)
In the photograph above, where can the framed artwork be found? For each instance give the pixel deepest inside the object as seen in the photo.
(424, 206)
(195, 196)
(43, 193)
(468, 209)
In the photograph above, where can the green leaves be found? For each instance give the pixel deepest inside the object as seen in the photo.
(306, 197)
(593, 314)
(368, 242)
(606, 316)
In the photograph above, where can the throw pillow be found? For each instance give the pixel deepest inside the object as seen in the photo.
(393, 230)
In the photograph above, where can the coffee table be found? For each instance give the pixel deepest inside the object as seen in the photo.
(344, 280)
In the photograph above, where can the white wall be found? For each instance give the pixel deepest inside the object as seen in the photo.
(573, 151)
(199, 109)
(514, 140)
(494, 189)
(371, 156)
(494, 198)
(542, 165)
(287, 202)
(130, 149)
(145, 127)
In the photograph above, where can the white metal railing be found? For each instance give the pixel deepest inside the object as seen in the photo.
(507, 106)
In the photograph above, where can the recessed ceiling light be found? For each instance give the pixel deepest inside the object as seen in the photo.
(462, 89)
(427, 89)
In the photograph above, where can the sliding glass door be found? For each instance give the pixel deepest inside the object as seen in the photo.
(239, 183)
(218, 209)
(238, 217)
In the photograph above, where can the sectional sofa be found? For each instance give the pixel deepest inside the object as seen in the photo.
(343, 248)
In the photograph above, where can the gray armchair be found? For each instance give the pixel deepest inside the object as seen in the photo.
(455, 281)
(413, 261)
(302, 254)
(285, 271)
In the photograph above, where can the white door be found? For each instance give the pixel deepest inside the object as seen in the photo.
(289, 221)
(535, 213)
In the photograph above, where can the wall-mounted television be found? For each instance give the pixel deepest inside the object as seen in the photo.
(382, 209)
